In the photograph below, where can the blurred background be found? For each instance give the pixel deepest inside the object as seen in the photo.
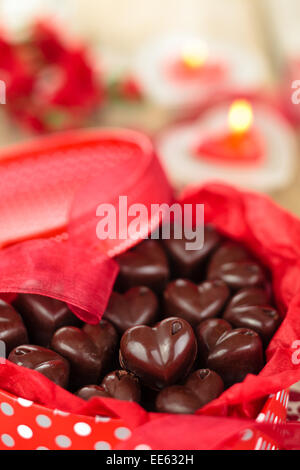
(88, 64)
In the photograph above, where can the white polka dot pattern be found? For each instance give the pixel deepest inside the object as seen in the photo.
(63, 441)
(25, 431)
(102, 419)
(24, 402)
(82, 429)
(102, 445)
(7, 440)
(122, 433)
(7, 409)
(43, 421)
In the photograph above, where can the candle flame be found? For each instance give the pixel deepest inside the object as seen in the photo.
(240, 116)
(194, 55)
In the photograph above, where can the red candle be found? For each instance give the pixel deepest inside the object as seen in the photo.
(194, 63)
(241, 143)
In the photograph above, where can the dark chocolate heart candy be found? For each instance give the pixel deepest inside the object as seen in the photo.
(12, 329)
(122, 385)
(239, 275)
(119, 384)
(208, 333)
(236, 354)
(83, 355)
(105, 338)
(43, 360)
(206, 384)
(161, 355)
(144, 265)
(183, 298)
(91, 391)
(249, 297)
(188, 263)
(139, 306)
(43, 316)
(263, 320)
(201, 387)
(228, 252)
(177, 399)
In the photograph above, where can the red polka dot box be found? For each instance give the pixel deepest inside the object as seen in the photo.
(26, 425)
(49, 189)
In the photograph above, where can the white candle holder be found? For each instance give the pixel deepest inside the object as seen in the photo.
(275, 170)
(244, 70)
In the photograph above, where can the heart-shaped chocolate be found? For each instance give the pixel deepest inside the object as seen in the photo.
(12, 329)
(91, 391)
(105, 338)
(139, 306)
(263, 320)
(122, 385)
(201, 387)
(88, 351)
(184, 299)
(248, 297)
(177, 399)
(144, 265)
(228, 252)
(188, 263)
(234, 354)
(160, 355)
(239, 275)
(83, 356)
(207, 333)
(43, 316)
(43, 360)
(119, 384)
(234, 265)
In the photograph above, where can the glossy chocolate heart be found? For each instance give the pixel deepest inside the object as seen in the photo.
(88, 350)
(249, 297)
(208, 333)
(91, 391)
(228, 252)
(177, 399)
(83, 356)
(206, 384)
(200, 388)
(122, 385)
(239, 275)
(188, 263)
(43, 316)
(161, 355)
(234, 265)
(119, 384)
(43, 360)
(184, 299)
(236, 354)
(12, 329)
(139, 306)
(105, 338)
(144, 265)
(263, 320)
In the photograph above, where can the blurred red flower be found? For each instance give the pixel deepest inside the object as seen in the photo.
(50, 85)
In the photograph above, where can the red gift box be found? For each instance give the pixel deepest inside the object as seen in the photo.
(48, 198)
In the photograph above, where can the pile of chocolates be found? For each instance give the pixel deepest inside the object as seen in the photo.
(180, 327)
